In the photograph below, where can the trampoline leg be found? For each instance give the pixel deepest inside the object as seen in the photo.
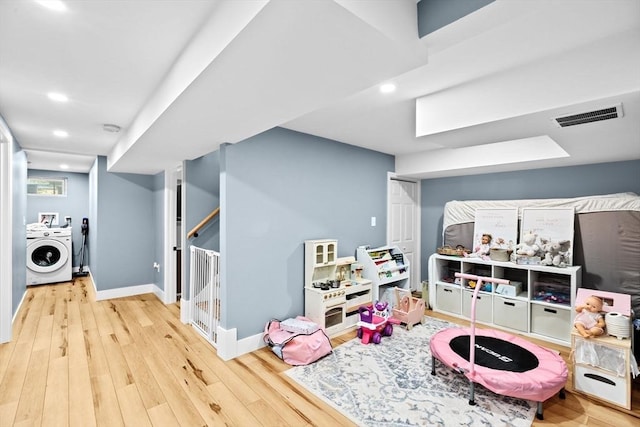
(433, 365)
(472, 393)
(562, 394)
(539, 412)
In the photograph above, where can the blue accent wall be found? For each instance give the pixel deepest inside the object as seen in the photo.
(201, 192)
(122, 229)
(278, 189)
(159, 226)
(435, 14)
(19, 231)
(75, 204)
(575, 181)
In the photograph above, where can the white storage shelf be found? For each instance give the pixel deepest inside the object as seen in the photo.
(386, 267)
(538, 302)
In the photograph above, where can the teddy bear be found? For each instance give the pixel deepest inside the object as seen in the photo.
(555, 252)
(528, 245)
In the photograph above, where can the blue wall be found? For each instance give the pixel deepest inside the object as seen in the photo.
(277, 190)
(575, 181)
(435, 14)
(19, 231)
(122, 230)
(201, 192)
(159, 227)
(75, 204)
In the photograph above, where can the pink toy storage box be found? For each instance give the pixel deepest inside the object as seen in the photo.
(613, 302)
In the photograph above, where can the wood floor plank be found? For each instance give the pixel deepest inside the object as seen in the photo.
(133, 411)
(148, 387)
(177, 398)
(8, 412)
(11, 388)
(96, 357)
(241, 389)
(81, 405)
(102, 320)
(105, 402)
(56, 399)
(113, 310)
(191, 373)
(121, 375)
(162, 416)
(248, 366)
(59, 337)
(137, 309)
(30, 315)
(231, 407)
(33, 392)
(266, 415)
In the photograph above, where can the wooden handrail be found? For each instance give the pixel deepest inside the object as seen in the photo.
(194, 230)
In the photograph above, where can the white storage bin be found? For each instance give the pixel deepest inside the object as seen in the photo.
(510, 313)
(448, 298)
(554, 322)
(602, 384)
(484, 306)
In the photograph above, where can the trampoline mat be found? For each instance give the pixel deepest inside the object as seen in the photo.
(495, 353)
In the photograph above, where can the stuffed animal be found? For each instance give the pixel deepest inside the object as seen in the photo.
(528, 245)
(556, 253)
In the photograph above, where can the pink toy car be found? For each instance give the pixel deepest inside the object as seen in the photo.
(375, 323)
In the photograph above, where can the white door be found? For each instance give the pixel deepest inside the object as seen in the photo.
(403, 229)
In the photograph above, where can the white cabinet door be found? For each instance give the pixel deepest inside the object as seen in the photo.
(403, 224)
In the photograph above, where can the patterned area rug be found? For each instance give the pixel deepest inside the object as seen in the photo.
(390, 384)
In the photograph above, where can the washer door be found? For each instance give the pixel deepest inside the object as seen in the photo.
(46, 255)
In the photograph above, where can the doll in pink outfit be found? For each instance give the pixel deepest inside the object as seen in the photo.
(589, 321)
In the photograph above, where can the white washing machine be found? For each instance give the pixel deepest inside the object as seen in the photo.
(49, 256)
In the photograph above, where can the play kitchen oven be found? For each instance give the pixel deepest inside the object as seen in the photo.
(327, 306)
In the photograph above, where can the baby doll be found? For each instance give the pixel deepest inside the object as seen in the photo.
(589, 321)
(482, 250)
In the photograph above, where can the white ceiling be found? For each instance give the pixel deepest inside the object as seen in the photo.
(182, 77)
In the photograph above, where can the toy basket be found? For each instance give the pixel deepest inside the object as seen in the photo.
(457, 251)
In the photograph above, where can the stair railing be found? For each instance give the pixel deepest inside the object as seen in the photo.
(194, 230)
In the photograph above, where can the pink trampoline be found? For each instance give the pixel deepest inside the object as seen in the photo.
(503, 363)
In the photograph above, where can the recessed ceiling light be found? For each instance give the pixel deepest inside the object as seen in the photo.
(64, 166)
(387, 88)
(61, 133)
(56, 5)
(108, 127)
(58, 97)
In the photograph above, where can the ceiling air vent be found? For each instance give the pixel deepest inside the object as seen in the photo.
(590, 116)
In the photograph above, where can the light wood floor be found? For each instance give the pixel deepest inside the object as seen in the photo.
(130, 361)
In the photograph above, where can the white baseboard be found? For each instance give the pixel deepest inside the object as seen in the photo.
(249, 344)
(229, 347)
(130, 291)
(185, 311)
(24, 294)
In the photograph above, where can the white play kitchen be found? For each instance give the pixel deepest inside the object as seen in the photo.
(334, 289)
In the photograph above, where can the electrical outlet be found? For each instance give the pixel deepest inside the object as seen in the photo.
(373, 221)
(156, 266)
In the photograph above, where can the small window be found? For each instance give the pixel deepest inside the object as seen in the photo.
(47, 186)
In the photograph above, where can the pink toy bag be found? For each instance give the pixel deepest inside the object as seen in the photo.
(296, 348)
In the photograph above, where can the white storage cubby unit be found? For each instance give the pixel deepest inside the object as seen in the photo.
(538, 302)
(386, 267)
